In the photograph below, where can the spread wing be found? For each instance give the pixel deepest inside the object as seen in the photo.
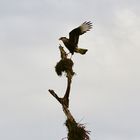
(75, 33)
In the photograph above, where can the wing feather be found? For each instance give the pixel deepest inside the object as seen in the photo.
(75, 33)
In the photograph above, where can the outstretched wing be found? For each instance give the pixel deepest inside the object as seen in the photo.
(75, 33)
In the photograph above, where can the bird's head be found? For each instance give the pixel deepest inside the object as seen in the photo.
(64, 39)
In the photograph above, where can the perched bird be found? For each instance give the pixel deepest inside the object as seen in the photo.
(72, 43)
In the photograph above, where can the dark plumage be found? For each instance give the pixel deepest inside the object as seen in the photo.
(72, 43)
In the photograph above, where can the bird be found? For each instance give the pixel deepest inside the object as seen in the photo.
(72, 43)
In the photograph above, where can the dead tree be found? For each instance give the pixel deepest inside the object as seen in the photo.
(76, 131)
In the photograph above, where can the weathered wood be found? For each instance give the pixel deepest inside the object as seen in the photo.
(76, 131)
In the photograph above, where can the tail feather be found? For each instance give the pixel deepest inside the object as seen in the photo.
(80, 50)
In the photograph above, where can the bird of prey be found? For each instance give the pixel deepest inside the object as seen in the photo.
(72, 43)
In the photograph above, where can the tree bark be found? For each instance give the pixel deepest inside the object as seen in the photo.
(76, 131)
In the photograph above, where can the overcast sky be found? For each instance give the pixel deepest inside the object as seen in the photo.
(105, 91)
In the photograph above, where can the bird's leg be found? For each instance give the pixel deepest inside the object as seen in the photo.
(71, 56)
(68, 53)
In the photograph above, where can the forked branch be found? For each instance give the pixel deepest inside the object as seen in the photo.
(76, 131)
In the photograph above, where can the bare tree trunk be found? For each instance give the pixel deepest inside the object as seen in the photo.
(76, 131)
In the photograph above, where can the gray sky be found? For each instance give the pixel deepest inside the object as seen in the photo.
(106, 90)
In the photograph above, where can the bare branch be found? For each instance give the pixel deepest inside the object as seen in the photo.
(67, 93)
(64, 105)
(76, 131)
(62, 52)
(55, 96)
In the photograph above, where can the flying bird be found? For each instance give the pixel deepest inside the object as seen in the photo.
(72, 43)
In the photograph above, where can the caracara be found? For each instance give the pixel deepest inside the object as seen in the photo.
(72, 43)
